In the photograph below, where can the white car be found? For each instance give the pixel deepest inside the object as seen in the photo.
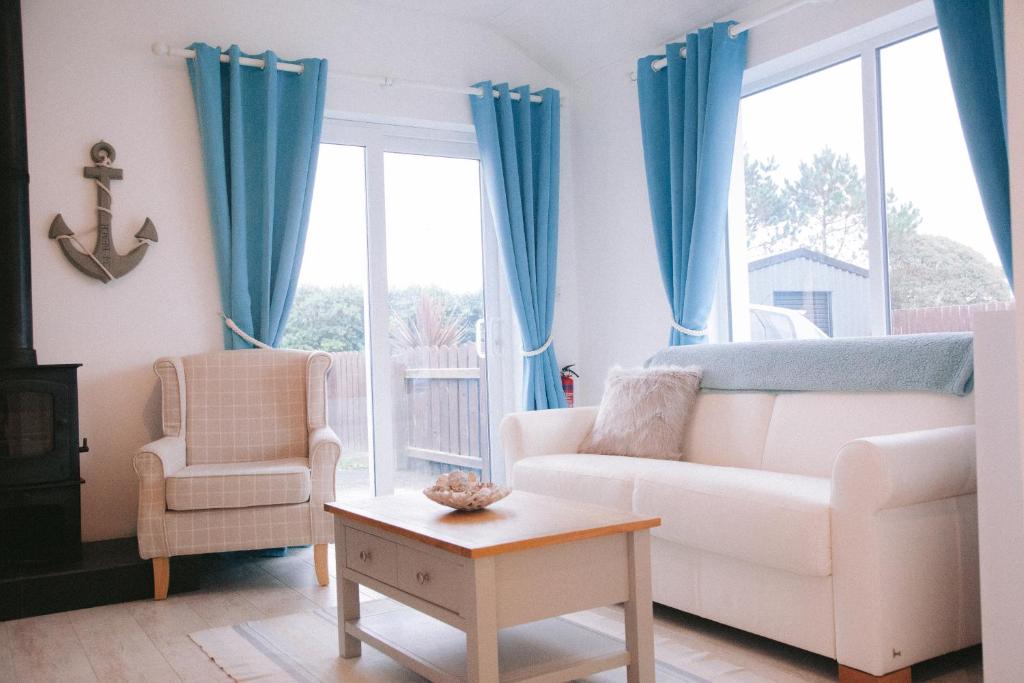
(772, 322)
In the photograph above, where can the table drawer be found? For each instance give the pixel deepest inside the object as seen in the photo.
(370, 555)
(431, 578)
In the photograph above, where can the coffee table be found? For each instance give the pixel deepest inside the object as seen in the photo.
(481, 592)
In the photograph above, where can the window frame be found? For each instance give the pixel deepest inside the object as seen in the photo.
(733, 285)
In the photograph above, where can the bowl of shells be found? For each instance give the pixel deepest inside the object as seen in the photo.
(463, 491)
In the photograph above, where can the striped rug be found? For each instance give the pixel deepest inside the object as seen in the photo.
(303, 648)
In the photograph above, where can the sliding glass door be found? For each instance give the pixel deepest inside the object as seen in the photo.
(399, 284)
(435, 291)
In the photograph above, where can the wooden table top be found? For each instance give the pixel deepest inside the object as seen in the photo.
(520, 521)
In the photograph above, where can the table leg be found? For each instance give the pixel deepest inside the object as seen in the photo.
(482, 625)
(639, 609)
(348, 596)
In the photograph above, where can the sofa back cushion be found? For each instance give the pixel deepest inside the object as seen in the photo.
(728, 428)
(807, 429)
(245, 405)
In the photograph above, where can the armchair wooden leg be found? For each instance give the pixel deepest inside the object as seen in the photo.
(850, 675)
(320, 563)
(161, 577)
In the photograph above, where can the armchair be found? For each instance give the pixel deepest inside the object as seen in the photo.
(247, 460)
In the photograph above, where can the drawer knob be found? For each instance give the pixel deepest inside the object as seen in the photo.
(365, 555)
(422, 578)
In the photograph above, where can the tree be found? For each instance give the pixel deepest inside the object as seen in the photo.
(826, 207)
(901, 218)
(823, 209)
(767, 216)
(325, 319)
(433, 324)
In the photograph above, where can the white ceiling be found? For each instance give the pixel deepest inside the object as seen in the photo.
(573, 37)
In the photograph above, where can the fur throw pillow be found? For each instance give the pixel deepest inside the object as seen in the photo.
(644, 412)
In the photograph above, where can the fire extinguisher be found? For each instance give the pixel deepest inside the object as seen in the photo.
(567, 384)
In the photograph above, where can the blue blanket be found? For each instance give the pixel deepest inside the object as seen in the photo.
(942, 363)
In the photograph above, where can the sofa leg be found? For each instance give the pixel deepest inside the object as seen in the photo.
(320, 563)
(161, 577)
(850, 675)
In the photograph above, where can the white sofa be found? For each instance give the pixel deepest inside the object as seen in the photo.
(841, 523)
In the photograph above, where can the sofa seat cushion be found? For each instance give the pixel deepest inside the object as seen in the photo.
(239, 484)
(584, 477)
(767, 518)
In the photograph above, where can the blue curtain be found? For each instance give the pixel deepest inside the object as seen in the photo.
(519, 154)
(688, 114)
(972, 37)
(260, 131)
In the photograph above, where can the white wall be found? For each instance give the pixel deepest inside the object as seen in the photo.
(624, 315)
(90, 75)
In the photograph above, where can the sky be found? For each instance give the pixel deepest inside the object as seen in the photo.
(925, 158)
(432, 212)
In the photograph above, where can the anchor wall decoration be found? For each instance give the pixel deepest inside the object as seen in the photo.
(103, 263)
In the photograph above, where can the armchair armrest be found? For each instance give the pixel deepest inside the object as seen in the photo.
(153, 463)
(168, 453)
(544, 432)
(324, 452)
(898, 470)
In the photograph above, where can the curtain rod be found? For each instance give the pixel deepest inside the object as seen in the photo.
(163, 50)
(739, 28)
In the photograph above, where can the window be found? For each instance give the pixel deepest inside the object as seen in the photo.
(858, 211)
(806, 225)
(942, 260)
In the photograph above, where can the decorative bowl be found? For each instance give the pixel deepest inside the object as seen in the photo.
(463, 492)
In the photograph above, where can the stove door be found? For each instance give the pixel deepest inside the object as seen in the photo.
(38, 432)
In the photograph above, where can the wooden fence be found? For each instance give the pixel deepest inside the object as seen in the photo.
(439, 398)
(346, 403)
(942, 318)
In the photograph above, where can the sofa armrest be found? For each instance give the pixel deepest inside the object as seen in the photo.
(904, 532)
(898, 470)
(154, 462)
(324, 453)
(544, 432)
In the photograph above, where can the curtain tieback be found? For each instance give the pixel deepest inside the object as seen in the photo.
(688, 332)
(538, 351)
(243, 334)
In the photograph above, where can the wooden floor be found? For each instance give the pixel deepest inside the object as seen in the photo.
(148, 641)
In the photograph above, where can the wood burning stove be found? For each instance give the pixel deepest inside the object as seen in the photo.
(40, 512)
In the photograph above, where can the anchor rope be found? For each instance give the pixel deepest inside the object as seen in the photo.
(106, 161)
(81, 248)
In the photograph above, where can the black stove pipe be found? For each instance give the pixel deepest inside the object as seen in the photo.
(15, 254)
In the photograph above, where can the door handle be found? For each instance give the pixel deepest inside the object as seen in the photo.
(481, 338)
